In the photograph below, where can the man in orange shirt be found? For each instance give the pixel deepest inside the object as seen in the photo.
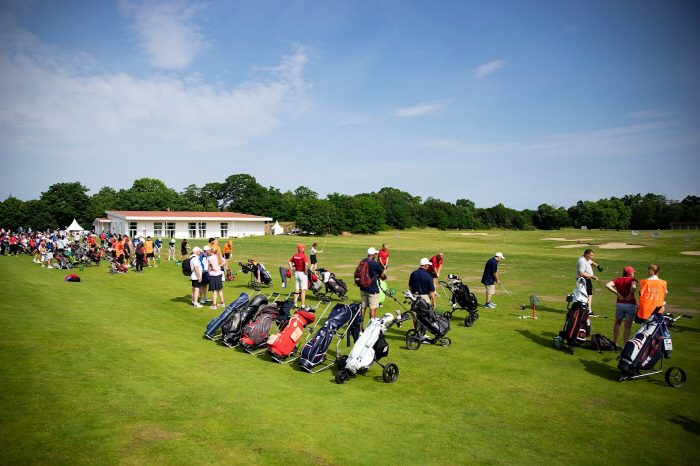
(119, 251)
(652, 293)
(150, 256)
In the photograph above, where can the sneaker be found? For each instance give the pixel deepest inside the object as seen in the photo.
(213, 306)
(202, 301)
(208, 300)
(221, 305)
(593, 314)
(155, 265)
(437, 295)
(43, 265)
(196, 305)
(50, 267)
(489, 305)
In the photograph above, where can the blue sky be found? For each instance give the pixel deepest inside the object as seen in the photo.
(513, 102)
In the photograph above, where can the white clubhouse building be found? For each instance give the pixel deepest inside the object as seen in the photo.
(167, 224)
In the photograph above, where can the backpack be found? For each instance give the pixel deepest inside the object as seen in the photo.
(362, 278)
(187, 267)
(229, 275)
(601, 343)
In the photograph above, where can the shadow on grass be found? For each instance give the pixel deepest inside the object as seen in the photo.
(545, 339)
(186, 299)
(600, 368)
(690, 425)
(541, 308)
(678, 329)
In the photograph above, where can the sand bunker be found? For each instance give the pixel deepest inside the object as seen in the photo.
(691, 253)
(569, 246)
(604, 246)
(479, 234)
(676, 311)
(564, 239)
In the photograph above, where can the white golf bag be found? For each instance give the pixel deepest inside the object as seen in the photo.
(362, 354)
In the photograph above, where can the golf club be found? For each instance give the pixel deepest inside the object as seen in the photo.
(600, 309)
(522, 307)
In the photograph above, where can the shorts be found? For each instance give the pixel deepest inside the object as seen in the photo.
(589, 287)
(171, 249)
(490, 289)
(120, 259)
(183, 252)
(215, 283)
(625, 310)
(205, 279)
(313, 260)
(227, 255)
(301, 281)
(370, 301)
(49, 256)
(150, 255)
(196, 284)
(425, 297)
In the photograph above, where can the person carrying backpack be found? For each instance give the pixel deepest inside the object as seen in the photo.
(366, 278)
(195, 275)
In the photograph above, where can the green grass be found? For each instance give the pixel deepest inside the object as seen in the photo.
(114, 369)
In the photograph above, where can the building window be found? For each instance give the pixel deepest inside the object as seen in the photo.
(158, 229)
(202, 230)
(133, 229)
(170, 229)
(192, 229)
(224, 229)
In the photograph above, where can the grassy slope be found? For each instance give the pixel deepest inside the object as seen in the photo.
(114, 370)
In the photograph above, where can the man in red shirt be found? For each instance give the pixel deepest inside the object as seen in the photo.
(626, 307)
(300, 264)
(435, 268)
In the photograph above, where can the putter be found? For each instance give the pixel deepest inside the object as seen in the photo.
(522, 307)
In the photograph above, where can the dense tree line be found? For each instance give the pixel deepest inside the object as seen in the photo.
(360, 213)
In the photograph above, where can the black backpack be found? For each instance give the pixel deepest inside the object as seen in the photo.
(187, 267)
(601, 343)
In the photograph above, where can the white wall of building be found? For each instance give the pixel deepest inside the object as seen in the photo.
(213, 228)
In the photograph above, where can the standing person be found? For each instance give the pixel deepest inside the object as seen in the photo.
(299, 263)
(626, 306)
(383, 256)
(652, 293)
(370, 294)
(227, 252)
(140, 253)
(171, 249)
(157, 245)
(49, 253)
(490, 278)
(421, 283)
(150, 256)
(183, 248)
(313, 256)
(119, 251)
(204, 259)
(127, 251)
(216, 275)
(584, 269)
(436, 268)
(196, 275)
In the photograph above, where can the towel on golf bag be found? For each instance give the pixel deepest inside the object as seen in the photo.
(435, 324)
(645, 349)
(232, 328)
(258, 331)
(282, 343)
(577, 324)
(363, 353)
(216, 323)
(314, 352)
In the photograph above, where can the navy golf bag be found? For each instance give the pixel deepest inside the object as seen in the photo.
(232, 328)
(314, 352)
(217, 322)
(644, 350)
(577, 326)
(433, 323)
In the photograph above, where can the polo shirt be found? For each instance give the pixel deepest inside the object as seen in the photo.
(421, 282)
(491, 268)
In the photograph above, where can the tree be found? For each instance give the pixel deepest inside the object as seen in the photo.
(398, 206)
(243, 194)
(38, 216)
(12, 214)
(312, 216)
(68, 201)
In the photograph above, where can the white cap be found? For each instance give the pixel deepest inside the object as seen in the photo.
(207, 248)
(498, 254)
(425, 261)
(196, 249)
(372, 251)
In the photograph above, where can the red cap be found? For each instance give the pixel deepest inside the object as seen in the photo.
(301, 246)
(628, 270)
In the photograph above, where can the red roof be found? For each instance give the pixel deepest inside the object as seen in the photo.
(170, 214)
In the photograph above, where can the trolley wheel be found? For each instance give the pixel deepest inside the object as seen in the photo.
(622, 378)
(88, 264)
(445, 342)
(341, 377)
(411, 334)
(675, 377)
(326, 300)
(447, 315)
(412, 343)
(572, 349)
(112, 271)
(468, 321)
(341, 361)
(343, 298)
(391, 373)
(476, 316)
(363, 370)
(269, 285)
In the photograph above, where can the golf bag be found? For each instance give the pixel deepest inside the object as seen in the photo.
(644, 350)
(433, 323)
(314, 352)
(116, 267)
(257, 272)
(283, 344)
(257, 332)
(232, 328)
(315, 284)
(577, 325)
(462, 297)
(216, 323)
(62, 262)
(333, 284)
(371, 346)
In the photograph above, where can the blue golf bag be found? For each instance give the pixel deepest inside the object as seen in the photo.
(216, 323)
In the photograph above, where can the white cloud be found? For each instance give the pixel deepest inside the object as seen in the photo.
(424, 108)
(489, 68)
(168, 36)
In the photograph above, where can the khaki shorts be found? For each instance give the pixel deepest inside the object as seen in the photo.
(426, 297)
(369, 301)
(490, 289)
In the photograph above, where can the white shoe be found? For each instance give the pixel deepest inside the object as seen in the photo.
(196, 305)
(43, 265)
(437, 295)
(212, 307)
(207, 300)
(202, 301)
(49, 267)
(155, 265)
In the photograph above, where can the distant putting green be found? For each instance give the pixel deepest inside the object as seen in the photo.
(114, 370)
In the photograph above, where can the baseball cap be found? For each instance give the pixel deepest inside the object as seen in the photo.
(628, 270)
(301, 246)
(425, 261)
(207, 248)
(498, 254)
(196, 249)
(372, 251)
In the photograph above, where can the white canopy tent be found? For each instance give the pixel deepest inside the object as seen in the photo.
(277, 229)
(74, 227)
